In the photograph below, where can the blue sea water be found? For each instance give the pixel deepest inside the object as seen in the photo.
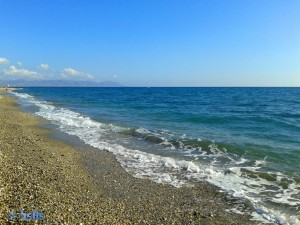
(244, 140)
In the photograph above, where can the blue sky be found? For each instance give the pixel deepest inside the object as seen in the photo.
(153, 43)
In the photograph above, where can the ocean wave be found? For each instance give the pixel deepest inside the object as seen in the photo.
(239, 178)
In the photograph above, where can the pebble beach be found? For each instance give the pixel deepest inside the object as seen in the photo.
(77, 184)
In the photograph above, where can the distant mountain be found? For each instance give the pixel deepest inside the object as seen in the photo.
(58, 83)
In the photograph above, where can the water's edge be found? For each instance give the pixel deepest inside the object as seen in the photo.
(135, 157)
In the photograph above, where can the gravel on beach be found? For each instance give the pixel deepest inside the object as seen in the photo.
(77, 184)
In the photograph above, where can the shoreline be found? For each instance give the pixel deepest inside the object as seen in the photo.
(80, 184)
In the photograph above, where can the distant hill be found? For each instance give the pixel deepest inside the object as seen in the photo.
(58, 83)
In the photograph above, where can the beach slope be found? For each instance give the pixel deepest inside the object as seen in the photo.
(74, 185)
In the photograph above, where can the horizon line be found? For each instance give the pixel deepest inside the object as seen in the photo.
(153, 86)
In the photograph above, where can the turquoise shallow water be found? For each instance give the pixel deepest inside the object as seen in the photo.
(244, 140)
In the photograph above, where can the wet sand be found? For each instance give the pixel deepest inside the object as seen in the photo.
(77, 184)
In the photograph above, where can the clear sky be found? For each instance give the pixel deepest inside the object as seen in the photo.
(153, 42)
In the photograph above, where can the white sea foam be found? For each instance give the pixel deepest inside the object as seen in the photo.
(172, 171)
(142, 131)
(262, 162)
(241, 161)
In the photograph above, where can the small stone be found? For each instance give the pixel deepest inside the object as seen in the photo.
(195, 213)
(203, 216)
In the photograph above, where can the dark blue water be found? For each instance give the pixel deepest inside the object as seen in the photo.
(244, 140)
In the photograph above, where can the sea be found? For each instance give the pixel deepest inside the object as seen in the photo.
(246, 141)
